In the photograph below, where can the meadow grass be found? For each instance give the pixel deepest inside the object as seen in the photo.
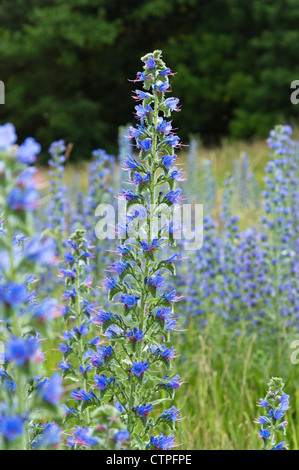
(225, 377)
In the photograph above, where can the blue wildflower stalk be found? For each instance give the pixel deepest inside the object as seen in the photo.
(272, 422)
(198, 277)
(247, 193)
(209, 187)
(125, 149)
(57, 210)
(281, 234)
(54, 216)
(77, 215)
(99, 192)
(22, 387)
(139, 338)
(192, 187)
(91, 423)
(75, 365)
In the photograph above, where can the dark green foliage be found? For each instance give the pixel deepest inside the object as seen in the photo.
(65, 63)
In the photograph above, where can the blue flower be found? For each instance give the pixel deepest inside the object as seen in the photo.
(173, 383)
(262, 420)
(104, 317)
(129, 195)
(130, 163)
(170, 415)
(285, 402)
(57, 148)
(109, 283)
(21, 350)
(23, 199)
(129, 300)
(162, 442)
(81, 395)
(141, 95)
(133, 134)
(69, 258)
(11, 427)
(69, 411)
(139, 368)
(53, 390)
(50, 436)
(143, 410)
(28, 151)
(39, 251)
(156, 282)
(65, 365)
(172, 103)
(172, 140)
(150, 63)
(142, 112)
(14, 294)
(278, 414)
(82, 437)
(173, 196)
(102, 381)
(135, 335)
(263, 403)
(103, 354)
(168, 160)
(279, 446)
(7, 136)
(48, 309)
(138, 179)
(145, 144)
(81, 331)
(121, 436)
(264, 434)
(119, 407)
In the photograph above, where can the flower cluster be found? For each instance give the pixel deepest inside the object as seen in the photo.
(244, 279)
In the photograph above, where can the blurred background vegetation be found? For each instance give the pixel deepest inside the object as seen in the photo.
(65, 66)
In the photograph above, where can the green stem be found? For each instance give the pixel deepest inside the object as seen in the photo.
(81, 346)
(20, 378)
(143, 305)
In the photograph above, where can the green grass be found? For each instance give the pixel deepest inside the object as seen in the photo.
(225, 377)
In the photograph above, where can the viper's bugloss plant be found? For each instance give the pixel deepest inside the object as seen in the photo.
(57, 208)
(247, 190)
(100, 174)
(23, 389)
(140, 355)
(77, 315)
(272, 420)
(280, 238)
(125, 149)
(90, 423)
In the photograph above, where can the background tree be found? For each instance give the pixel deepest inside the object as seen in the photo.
(64, 65)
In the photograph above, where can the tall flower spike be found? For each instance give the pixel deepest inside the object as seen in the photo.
(76, 347)
(22, 390)
(272, 422)
(140, 336)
